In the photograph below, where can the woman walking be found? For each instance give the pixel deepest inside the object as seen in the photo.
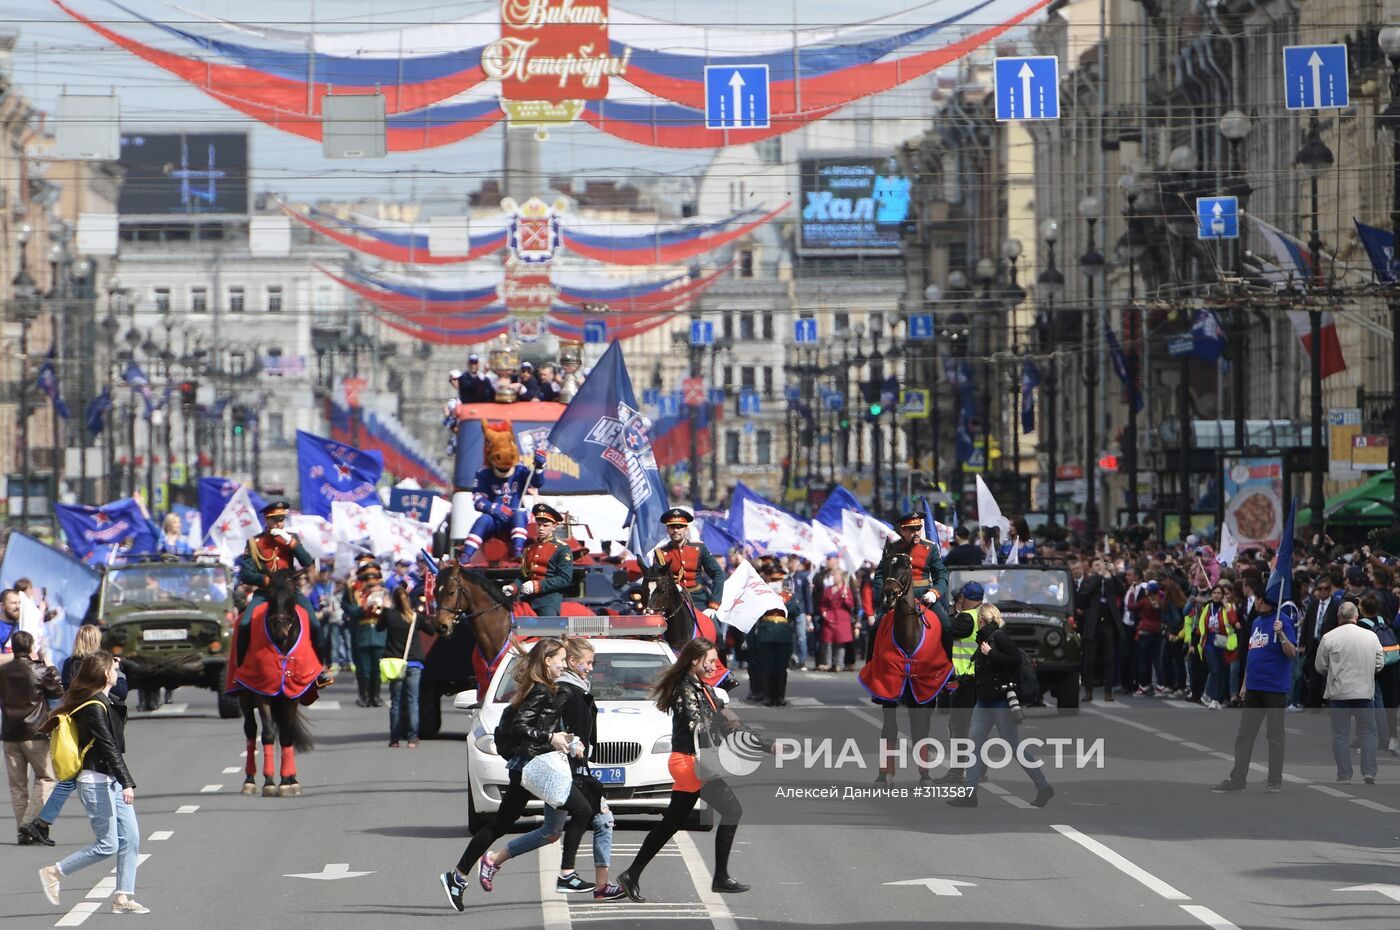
(586, 805)
(837, 606)
(398, 622)
(105, 785)
(1213, 636)
(530, 727)
(696, 720)
(996, 666)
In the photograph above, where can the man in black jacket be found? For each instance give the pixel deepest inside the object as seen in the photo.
(1097, 603)
(1319, 618)
(964, 551)
(24, 687)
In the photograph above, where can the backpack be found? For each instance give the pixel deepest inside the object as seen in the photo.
(63, 744)
(508, 738)
(1027, 682)
(1390, 644)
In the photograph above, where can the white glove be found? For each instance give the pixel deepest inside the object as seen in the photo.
(527, 588)
(931, 597)
(283, 534)
(711, 612)
(508, 590)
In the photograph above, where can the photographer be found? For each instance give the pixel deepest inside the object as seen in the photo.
(997, 668)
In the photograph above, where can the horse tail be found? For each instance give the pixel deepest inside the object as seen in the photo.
(295, 729)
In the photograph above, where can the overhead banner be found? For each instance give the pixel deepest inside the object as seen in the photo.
(852, 204)
(1254, 499)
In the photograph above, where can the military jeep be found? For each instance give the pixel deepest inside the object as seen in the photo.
(1037, 603)
(169, 622)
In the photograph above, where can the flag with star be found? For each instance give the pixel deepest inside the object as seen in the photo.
(333, 471)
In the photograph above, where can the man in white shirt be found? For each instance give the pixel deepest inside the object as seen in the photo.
(31, 618)
(1350, 655)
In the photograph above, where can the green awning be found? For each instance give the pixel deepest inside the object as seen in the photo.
(1367, 504)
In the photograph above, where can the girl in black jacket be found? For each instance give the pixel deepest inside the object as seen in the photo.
(696, 721)
(398, 623)
(104, 784)
(997, 667)
(534, 728)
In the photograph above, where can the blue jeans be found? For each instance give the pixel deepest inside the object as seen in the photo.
(403, 705)
(1342, 714)
(1149, 659)
(554, 820)
(54, 805)
(799, 639)
(114, 824)
(1295, 690)
(988, 714)
(1236, 678)
(1216, 680)
(340, 644)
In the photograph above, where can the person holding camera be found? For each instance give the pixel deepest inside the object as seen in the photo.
(996, 671)
(1097, 604)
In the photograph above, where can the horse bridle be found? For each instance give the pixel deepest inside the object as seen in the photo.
(459, 615)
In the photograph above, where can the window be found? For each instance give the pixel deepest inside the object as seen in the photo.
(768, 381)
(767, 326)
(746, 378)
(841, 320)
(276, 427)
(746, 263)
(323, 297)
(274, 298)
(746, 329)
(728, 377)
(731, 447)
(199, 300)
(235, 298)
(769, 151)
(162, 300)
(763, 447)
(728, 326)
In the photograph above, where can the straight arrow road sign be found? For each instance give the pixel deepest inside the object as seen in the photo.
(1390, 891)
(1315, 77)
(943, 887)
(333, 871)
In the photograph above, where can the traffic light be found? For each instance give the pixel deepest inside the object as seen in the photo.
(844, 422)
(188, 390)
(1108, 463)
(876, 409)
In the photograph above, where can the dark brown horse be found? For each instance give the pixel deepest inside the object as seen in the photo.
(911, 627)
(683, 622)
(464, 594)
(278, 716)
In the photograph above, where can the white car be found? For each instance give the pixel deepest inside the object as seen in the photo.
(634, 738)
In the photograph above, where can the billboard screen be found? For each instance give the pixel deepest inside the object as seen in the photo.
(852, 203)
(180, 175)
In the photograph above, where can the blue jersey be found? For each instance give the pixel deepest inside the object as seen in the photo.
(492, 494)
(1267, 669)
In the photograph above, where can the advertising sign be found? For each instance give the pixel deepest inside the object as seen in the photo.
(178, 175)
(1254, 498)
(1343, 426)
(1370, 452)
(852, 203)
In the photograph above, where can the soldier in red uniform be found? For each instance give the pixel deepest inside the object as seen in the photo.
(546, 567)
(693, 566)
(274, 549)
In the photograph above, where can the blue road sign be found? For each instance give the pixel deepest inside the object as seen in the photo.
(651, 396)
(702, 333)
(595, 331)
(736, 97)
(921, 326)
(716, 396)
(833, 400)
(804, 331)
(1027, 88)
(1217, 218)
(1315, 77)
(670, 405)
(749, 404)
(793, 392)
(749, 428)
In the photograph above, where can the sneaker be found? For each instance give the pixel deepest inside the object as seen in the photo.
(486, 871)
(1043, 796)
(49, 877)
(1343, 779)
(612, 891)
(1141, 691)
(1227, 786)
(1160, 690)
(1369, 779)
(456, 889)
(1214, 705)
(393, 744)
(413, 744)
(1293, 709)
(1177, 695)
(1274, 787)
(129, 906)
(572, 884)
(630, 886)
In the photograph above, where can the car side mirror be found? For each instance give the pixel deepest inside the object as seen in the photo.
(467, 700)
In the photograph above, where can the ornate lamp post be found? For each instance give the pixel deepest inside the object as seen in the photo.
(1091, 265)
(1130, 247)
(1315, 158)
(1049, 283)
(1389, 40)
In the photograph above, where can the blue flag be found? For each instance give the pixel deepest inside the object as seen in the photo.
(1279, 589)
(930, 523)
(717, 538)
(1120, 365)
(333, 471)
(836, 502)
(603, 430)
(47, 379)
(1380, 248)
(1207, 336)
(1030, 380)
(96, 413)
(94, 533)
(214, 494)
(140, 385)
(68, 584)
(412, 502)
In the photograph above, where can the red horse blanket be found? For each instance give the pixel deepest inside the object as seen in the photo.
(268, 670)
(891, 671)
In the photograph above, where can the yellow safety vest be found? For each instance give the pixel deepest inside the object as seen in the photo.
(964, 649)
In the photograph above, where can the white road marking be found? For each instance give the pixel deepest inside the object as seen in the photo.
(1294, 779)
(1183, 705)
(553, 906)
(803, 702)
(232, 770)
(1330, 791)
(323, 705)
(210, 789)
(1375, 806)
(1225, 756)
(104, 888)
(1130, 869)
(166, 709)
(187, 809)
(1208, 917)
(1007, 796)
(1169, 736)
(1197, 746)
(78, 914)
(718, 910)
(334, 871)
(160, 835)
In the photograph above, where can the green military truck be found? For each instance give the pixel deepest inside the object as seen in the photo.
(170, 623)
(1037, 603)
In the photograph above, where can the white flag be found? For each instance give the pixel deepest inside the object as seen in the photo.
(945, 536)
(317, 534)
(780, 533)
(237, 523)
(356, 524)
(746, 598)
(865, 538)
(1229, 545)
(988, 513)
(440, 509)
(403, 537)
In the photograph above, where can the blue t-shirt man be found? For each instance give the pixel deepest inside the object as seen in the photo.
(1267, 668)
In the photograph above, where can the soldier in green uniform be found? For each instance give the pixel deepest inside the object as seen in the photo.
(930, 574)
(546, 567)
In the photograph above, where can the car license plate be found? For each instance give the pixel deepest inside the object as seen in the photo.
(164, 635)
(610, 776)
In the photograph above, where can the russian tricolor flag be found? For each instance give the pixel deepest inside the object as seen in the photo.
(1295, 262)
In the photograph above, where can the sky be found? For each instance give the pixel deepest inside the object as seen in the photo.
(56, 54)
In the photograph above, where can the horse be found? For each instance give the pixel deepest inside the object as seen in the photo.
(665, 596)
(908, 665)
(274, 671)
(465, 594)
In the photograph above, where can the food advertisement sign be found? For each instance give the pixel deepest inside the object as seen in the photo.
(1254, 499)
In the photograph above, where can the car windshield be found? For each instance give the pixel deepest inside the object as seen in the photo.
(170, 585)
(617, 676)
(1035, 588)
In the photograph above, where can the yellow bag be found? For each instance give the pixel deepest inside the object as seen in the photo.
(63, 745)
(391, 669)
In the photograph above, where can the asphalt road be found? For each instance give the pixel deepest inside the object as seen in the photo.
(1140, 842)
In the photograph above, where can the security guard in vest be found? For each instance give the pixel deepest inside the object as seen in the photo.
(693, 566)
(772, 641)
(930, 574)
(960, 701)
(274, 549)
(546, 568)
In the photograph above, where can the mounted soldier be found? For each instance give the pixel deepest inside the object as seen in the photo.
(930, 574)
(694, 567)
(274, 549)
(546, 566)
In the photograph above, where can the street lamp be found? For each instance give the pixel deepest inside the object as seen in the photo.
(26, 309)
(1314, 158)
(1389, 40)
(932, 295)
(1182, 162)
(1130, 246)
(1235, 126)
(1050, 283)
(1091, 265)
